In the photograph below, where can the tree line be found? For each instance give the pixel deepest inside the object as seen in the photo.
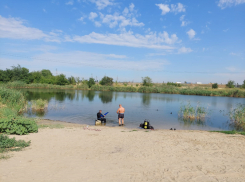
(18, 73)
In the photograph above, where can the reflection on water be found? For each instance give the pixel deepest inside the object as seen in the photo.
(161, 109)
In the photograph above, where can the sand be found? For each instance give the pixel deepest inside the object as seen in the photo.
(72, 154)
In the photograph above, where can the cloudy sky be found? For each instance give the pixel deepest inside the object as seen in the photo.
(168, 40)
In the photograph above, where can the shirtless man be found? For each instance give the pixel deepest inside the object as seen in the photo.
(120, 113)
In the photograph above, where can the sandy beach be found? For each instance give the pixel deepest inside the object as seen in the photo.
(76, 154)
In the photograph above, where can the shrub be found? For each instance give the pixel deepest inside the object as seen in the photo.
(17, 125)
(10, 144)
(147, 81)
(237, 117)
(243, 85)
(174, 84)
(215, 85)
(91, 82)
(39, 104)
(137, 85)
(125, 84)
(230, 84)
(106, 81)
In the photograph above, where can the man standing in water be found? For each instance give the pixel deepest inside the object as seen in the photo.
(120, 113)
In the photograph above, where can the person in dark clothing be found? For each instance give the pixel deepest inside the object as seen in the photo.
(100, 116)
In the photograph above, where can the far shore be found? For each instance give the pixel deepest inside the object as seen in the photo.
(63, 152)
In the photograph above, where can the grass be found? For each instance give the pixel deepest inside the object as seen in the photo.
(188, 112)
(11, 144)
(39, 104)
(230, 132)
(156, 88)
(237, 117)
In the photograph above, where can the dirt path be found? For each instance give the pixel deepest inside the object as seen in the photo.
(119, 154)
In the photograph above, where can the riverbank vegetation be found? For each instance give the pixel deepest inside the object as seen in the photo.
(19, 77)
(237, 117)
(12, 104)
(39, 105)
(188, 112)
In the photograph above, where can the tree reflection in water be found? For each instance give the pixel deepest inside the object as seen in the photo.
(106, 97)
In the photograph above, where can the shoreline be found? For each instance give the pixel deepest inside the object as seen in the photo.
(73, 153)
(207, 92)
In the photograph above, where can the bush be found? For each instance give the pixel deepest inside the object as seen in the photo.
(215, 85)
(106, 81)
(10, 144)
(39, 104)
(91, 82)
(243, 85)
(237, 117)
(18, 125)
(125, 84)
(137, 85)
(174, 84)
(230, 84)
(147, 81)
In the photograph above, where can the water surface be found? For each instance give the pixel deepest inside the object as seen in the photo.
(78, 106)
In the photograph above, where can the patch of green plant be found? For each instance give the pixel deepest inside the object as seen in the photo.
(174, 84)
(230, 132)
(215, 85)
(188, 112)
(39, 104)
(11, 144)
(230, 84)
(17, 125)
(237, 117)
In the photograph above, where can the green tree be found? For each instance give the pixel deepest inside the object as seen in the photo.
(243, 85)
(230, 84)
(72, 80)
(215, 85)
(46, 73)
(36, 76)
(61, 80)
(106, 81)
(147, 81)
(91, 82)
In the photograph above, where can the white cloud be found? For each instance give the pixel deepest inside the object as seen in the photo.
(152, 40)
(92, 15)
(164, 7)
(128, 18)
(70, 2)
(44, 10)
(82, 18)
(228, 3)
(191, 33)
(177, 8)
(183, 22)
(13, 28)
(173, 8)
(184, 50)
(89, 59)
(101, 4)
(97, 24)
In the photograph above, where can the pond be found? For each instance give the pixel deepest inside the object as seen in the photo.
(79, 106)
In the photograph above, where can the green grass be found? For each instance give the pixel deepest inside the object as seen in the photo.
(188, 112)
(11, 144)
(156, 88)
(237, 117)
(39, 104)
(4, 157)
(230, 132)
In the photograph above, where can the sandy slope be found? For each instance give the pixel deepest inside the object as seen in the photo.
(120, 154)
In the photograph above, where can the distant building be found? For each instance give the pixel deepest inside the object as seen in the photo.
(178, 82)
(198, 82)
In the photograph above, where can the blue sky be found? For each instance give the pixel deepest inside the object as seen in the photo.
(194, 41)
